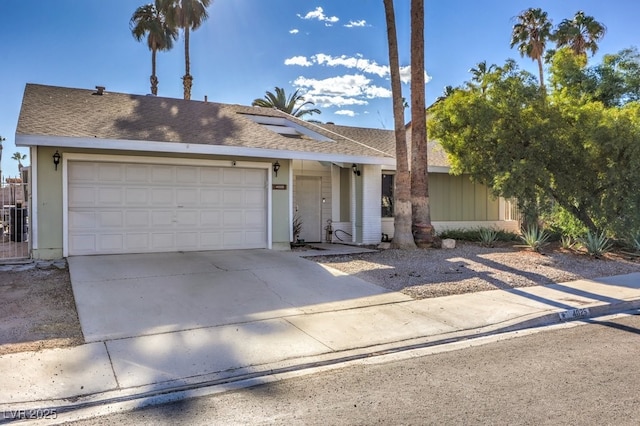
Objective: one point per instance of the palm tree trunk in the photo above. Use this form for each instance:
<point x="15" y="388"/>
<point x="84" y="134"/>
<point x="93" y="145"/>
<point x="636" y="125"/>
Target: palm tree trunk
<point x="187" y="80"/>
<point x="541" y="72"/>
<point x="154" y="79"/>
<point x="402" y="237"/>
<point x="421" y="216"/>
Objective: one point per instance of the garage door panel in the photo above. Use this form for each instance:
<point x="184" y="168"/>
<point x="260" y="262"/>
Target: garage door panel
<point x="135" y="219"/>
<point x="163" y="240"/>
<point x="133" y="208"/>
<point x="209" y="197"/>
<point x="83" y="220"/>
<point x="83" y="172"/>
<point x="110" y="196"/>
<point x="254" y="219"/>
<point x="161" y="218"/>
<point x="210" y="176"/>
<point x="83" y="243"/>
<point x="110" y="219"/>
<point x="187" y="218"/>
<point x="110" y="172"/>
<point x="137" y="173"/>
<point x="188" y="175"/>
<point x="110" y="242"/>
<point x="232" y="197"/>
<point x="187" y="196"/>
<point x="187" y="240"/>
<point x="136" y="196"/>
<point x="232" y="218"/>
<point x="163" y="174"/>
<point x="254" y="177"/>
<point x="211" y="218"/>
<point x="254" y="197"/>
<point x="232" y="176"/>
<point x="162" y="197"/>
<point x="82" y="196"/>
<point x="137" y="241"/>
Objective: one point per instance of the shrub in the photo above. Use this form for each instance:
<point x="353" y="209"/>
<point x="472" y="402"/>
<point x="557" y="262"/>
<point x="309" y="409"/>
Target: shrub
<point x="566" y="242"/>
<point x="596" y="244"/>
<point x="535" y="238"/>
<point x="474" y="235"/>
<point x="488" y="236"/>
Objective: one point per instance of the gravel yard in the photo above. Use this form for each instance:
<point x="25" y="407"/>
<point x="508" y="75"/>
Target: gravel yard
<point x="470" y="267"/>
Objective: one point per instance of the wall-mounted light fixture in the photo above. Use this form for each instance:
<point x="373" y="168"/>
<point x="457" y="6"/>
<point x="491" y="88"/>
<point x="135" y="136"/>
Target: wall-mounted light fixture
<point x="276" y="167"/>
<point x="355" y="170"/>
<point x="56" y="159"/>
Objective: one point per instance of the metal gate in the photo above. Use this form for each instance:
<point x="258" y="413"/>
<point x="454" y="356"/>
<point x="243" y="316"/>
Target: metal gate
<point x="14" y="218"/>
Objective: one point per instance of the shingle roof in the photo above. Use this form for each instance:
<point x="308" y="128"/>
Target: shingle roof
<point x="79" y="113"/>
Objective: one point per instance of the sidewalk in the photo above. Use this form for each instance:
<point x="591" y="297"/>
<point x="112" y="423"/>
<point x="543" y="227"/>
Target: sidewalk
<point x="142" y="368"/>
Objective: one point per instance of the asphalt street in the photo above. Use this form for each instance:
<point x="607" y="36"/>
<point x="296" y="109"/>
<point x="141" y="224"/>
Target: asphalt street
<point x="576" y="374"/>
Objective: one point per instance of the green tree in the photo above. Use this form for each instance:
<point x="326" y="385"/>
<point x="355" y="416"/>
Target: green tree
<point x="19" y="157"/>
<point x="581" y="34"/>
<point x="293" y="105"/>
<point x="422" y="228"/>
<point x="188" y="15"/>
<point x="402" y="236"/>
<point x="149" y="21"/>
<point x="479" y="75"/>
<point x="530" y="34"/>
<point x="567" y="147"/>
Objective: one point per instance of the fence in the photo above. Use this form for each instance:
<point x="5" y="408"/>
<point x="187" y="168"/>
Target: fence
<point x="14" y="219"/>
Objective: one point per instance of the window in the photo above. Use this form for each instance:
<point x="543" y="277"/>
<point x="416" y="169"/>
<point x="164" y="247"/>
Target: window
<point x="387" y="195"/>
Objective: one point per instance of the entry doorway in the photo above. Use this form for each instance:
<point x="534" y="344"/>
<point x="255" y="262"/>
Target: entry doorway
<point x="309" y="207"/>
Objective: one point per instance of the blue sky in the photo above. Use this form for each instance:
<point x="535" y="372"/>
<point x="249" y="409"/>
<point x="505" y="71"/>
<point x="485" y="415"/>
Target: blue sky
<point x="334" y="51"/>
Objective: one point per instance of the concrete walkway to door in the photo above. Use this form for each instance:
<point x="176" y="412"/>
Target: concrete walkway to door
<point x="120" y="296"/>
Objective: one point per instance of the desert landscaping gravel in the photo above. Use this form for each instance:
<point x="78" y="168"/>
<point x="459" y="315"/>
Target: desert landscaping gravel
<point x="470" y="267"/>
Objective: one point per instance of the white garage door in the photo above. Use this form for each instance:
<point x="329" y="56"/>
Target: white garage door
<point x="138" y="208"/>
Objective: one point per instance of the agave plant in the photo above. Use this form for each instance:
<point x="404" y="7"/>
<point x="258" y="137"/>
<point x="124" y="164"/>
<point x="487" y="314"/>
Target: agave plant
<point x="596" y="244"/>
<point x="566" y="241"/>
<point x="488" y="236"/>
<point x="535" y="238"/>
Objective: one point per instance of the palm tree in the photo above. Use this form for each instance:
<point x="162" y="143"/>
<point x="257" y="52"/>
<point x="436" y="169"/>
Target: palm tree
<point x="530" y="34"/>
<point x="149" y="20"/>
<point x="479" y="74"/>
<point x="402" y="237"/>
<point x="188" y="15"/>
<point x="581" y="33"/>
<point x="291" y="105"/>
<point x="421" y="215"/>
<point x="19" y="157"/>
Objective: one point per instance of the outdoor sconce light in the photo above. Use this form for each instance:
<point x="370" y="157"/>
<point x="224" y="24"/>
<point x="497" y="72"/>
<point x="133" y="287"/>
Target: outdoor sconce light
<point x="355" y="170"/>
<point x="56" y="159"/>
<point x="276" y="167"/>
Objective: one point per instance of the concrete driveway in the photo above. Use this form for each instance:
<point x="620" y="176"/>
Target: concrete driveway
<point x="121" y="296"/>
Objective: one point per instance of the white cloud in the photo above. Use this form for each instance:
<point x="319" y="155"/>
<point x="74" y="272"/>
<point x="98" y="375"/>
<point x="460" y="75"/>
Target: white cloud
<point x="360" y="23"/>
<point x="349" y="89"/>
<point x="298" y="60"/>
<point x="318" y="13"/>
<point x="346" y="112"/>
<point x="294" y="31"/>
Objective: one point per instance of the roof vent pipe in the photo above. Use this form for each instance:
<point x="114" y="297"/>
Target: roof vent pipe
<point x="206" y="99"/>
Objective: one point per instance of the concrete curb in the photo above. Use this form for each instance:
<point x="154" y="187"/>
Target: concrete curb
<point x="75" y="408"/>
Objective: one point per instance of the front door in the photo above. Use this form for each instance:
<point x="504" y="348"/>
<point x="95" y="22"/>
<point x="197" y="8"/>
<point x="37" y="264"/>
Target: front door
<point x="309" y="207"/>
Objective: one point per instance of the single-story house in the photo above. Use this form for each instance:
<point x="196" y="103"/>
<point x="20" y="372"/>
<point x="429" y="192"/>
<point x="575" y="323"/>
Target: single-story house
<point x="120" y="173"/>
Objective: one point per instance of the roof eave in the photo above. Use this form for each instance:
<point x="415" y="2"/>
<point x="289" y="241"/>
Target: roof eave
<point x="193" y="148"/>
